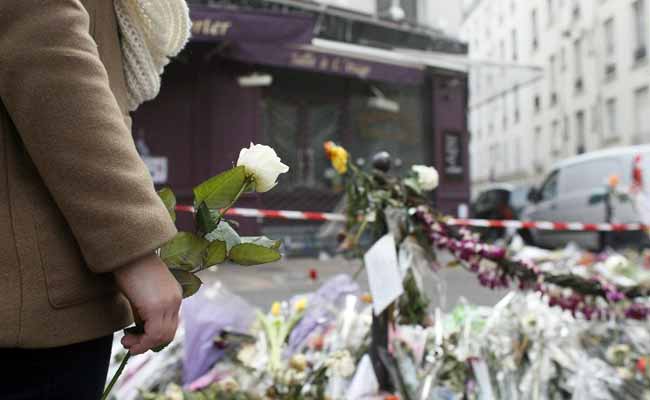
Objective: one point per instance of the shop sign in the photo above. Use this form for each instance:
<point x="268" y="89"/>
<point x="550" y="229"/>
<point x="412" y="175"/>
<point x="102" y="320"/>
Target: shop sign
<point x="158" y="168"/>
<point x="453" y="155"/>
<point x="330" y="64"/>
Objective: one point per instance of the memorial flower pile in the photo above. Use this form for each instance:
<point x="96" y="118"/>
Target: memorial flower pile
<point x="574" y="326"/>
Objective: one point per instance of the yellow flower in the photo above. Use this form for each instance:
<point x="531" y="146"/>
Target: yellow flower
<point x="300" y="305"/>
<point x="338" y="156"/>
<point x="276" y="308"/>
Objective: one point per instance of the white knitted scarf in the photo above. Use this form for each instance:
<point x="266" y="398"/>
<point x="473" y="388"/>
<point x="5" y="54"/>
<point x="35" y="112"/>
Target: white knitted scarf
<point x="152" y="32"/>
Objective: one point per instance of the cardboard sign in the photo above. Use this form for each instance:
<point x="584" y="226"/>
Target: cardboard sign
<point x="157" y="168"/>
<point x="383" y="273"/>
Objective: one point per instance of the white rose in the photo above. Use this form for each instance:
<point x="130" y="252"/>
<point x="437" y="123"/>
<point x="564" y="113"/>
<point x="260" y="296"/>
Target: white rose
<point x="427" y="177"/>
<point x="264" y="164"/>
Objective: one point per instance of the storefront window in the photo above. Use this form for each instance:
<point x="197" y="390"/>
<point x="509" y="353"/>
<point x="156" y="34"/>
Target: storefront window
<point x="400" y="133"/>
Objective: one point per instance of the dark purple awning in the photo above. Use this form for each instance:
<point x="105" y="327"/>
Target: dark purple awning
<point x="325" y="62"/>
<point x="283" y="40"/>
<point x="211" y="24"/>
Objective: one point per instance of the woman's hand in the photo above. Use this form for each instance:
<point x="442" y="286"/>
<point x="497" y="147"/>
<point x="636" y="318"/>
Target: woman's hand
<point x="155" y="296"/>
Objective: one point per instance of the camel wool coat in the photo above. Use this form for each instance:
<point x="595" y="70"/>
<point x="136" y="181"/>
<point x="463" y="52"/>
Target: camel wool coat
<point x="76" y="200"/>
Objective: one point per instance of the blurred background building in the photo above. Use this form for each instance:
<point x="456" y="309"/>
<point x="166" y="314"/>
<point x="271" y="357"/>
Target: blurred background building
<point x="371" y="75"/>
<point x="556" y="78"/>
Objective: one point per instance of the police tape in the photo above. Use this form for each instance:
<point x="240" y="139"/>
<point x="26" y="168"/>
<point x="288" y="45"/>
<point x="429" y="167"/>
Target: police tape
<point x="546" y="225"/>
<point x="477" y="223"/>
<point x="276" y="214"/>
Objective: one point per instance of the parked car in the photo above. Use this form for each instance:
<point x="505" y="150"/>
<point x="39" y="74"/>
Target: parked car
<point x="501" y="201"/>
<point x="567" y="192"/>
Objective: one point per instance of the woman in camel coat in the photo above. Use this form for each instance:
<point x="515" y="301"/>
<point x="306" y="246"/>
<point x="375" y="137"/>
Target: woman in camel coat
<point x="79" y="217"/>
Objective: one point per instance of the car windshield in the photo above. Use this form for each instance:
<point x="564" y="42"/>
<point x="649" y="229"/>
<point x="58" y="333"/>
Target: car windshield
<point x="519" y="198"/>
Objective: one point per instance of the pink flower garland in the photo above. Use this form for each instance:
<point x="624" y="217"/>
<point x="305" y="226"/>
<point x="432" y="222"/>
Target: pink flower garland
<point x="496" y="271"/>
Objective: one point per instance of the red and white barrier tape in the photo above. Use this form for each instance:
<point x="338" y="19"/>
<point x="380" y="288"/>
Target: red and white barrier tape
<point x="547" y="226"/>
<point x="276" y="214"/>
<point x="479" y="223"/>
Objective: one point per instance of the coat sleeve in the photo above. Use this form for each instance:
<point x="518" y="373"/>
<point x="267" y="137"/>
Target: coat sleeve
<point x="57" y="93"/>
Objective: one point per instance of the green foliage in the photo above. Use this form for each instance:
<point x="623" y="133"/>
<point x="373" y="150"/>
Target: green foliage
<point x="262" y="241"/>
<point x="216" y="253"/>
<point x="225" y="233"/>
<point x="206" y="220"/>
<point x="169" y="199"/>
<point x="184" y="252"/>
<point x="222" y="190"/>
<point x="413" y="304"/>
<point x="253" y="254"/>
<point x="188" y="281"/>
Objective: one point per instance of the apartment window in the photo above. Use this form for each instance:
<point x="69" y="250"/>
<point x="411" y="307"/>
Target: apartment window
<point x="563" y="58"/>
<point x="535" y="31"/>
<point x="537" y="138"/>
<point x="556" y="139"/>
<point x="565" y="135"/>
<point x="550" y="12"/>
<point x="639" y="30"/>
<point x="513" y="39"/>
<point x="552" y="80"/>
<point x="580" y="132"/>
<point x="610" y="50"/>
<point x="518" y="153"/>
<point x="642" y="115"/>
<point x="577" y="62"/>
<point x="515" y="93"/>
<point x="410" y="8"/>
<point x="612" y="121"/>
<point x="576" y="9"/>
<point x="537" y="103"/>
<point x="504" y="112"/>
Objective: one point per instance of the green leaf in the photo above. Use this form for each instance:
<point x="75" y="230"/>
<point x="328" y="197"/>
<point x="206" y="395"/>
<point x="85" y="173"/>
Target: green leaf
<point x="224" y="233"/>
<point x="221" y="190"/>
<point x="253" y="254"/>
<point x="168" y="197"/>
<point x="206" y="220"/>
<point x="215" y="254"/>
<point x="185" y="251"/>
<point x="413" y="184"/>
<point x="188" y="281"/>
<point x="262" y="241"/>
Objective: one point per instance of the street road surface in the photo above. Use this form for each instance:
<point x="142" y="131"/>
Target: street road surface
<point x="262" y="285"/>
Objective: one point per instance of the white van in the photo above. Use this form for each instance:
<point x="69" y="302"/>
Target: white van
<point x="566" y="192"/>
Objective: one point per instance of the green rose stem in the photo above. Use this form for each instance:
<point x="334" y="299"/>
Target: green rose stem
<point x="119" y="371"/>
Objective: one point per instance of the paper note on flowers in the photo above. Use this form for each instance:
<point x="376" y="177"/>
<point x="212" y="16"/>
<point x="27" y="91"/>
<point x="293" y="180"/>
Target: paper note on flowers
<point x="383" y="273"/>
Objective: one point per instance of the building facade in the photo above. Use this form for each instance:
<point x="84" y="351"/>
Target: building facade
<point x="294" y="75"/>
<point x="552" y="79"/>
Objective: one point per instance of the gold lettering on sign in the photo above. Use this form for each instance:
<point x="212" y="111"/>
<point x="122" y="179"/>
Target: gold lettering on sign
<point x="360" y="70"/>
<point x="324" y="63"/>
<point x="208" y="27"/>
<point x="306" y="60"/>
<point x="336" y="64"/>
